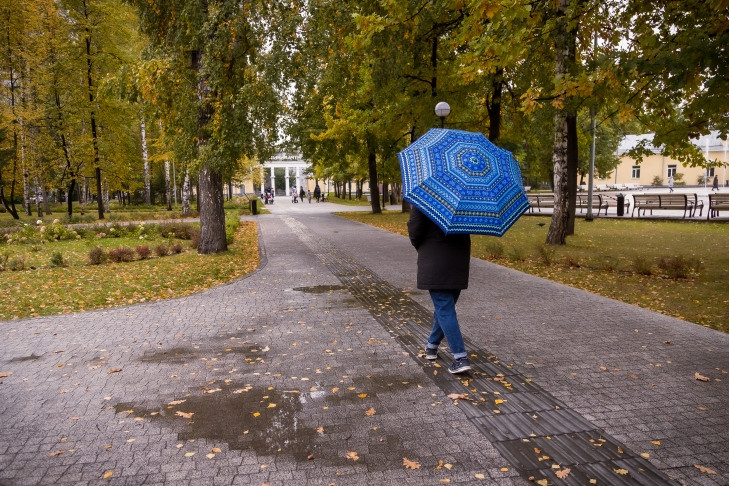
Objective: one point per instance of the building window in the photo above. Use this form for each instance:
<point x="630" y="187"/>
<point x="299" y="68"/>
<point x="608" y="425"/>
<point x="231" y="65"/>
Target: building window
<point x="710" y="172"/>
<point x="671" y="171"/>
<point x="635" y="173"/>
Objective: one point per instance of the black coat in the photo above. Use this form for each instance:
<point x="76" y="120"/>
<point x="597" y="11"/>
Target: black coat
<point x="443" y="260"/>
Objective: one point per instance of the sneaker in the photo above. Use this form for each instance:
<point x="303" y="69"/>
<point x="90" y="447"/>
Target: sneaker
<point x="459" y="366"/>
<point x="431" y="353"/>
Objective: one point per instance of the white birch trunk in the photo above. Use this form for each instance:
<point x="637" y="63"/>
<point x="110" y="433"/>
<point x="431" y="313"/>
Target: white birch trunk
<point x="145" y="159"/>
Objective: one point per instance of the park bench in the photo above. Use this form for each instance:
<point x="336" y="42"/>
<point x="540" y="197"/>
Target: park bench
<point x="540" y="201"/>
<point x="717" y="202"/>
<point x="697" y="204"/>
<point x="671" y="201"/>
<point x="597" y="202"/>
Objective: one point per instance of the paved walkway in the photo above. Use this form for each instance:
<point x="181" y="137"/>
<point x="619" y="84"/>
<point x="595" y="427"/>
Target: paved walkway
<point x="309" y="371"/>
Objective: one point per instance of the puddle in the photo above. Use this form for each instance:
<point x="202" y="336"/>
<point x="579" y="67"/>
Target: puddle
<point x="172" y="356"/>
<point x="318" y="289"/>
<point x="32" y="357"/>
<point x="239" y="415"/>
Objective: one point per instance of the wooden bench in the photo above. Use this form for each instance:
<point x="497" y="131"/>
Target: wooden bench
<point x="540" y="201"/>
<point x="698" y="204"/>
<point x="597" y="202"/>
<point x="662" y="201"/>
<point x="717" y="202"/>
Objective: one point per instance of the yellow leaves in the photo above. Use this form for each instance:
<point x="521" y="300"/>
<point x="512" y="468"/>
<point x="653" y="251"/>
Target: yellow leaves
<point x="107" y="474"/>
<point x="271" y="405"/>
<point x="410" y="464"/>
<point x="563" y="473"/>
<point x="656" y="442"/>
<point x="5" y="374"/>
<point x="704" y="470"/>
<point x="370" y="412"/>
<point x="621" y="471"/>
<point x="184" y="414"/>
<point x="115" y="370"/>
<point x="189" y="454"/>
<point x="700" y="377"/>
<point x="256" y="414"/>
<point x="442" y="465"/>
<point x="362" y="395"/>
<point x="479" y="476"/>
<point x="352" y="455"/>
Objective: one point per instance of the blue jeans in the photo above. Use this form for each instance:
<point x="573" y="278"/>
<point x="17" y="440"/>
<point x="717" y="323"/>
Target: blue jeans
<point x="445" y="322"/>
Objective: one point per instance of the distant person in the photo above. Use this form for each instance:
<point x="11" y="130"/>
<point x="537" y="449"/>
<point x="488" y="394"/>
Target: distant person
<point x="715" y="184"/>
<point x="317" y="193"/>
<point x="670" y="183"/>
<point x="294" y="195"/>
<point x="308" y="195"/>
<point x="443" y="266"/>
<point x="302" y="194"/>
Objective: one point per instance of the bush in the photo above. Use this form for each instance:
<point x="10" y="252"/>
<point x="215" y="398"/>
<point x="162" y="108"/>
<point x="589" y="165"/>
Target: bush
<point x="121" y="254"/>
<point x="4" y="261"/>
<point x="231" y="226"/>
<point x="16" y="264"/>
<point x="680" y="267"/>
<point x="57" y="260"/>
<point x="572" y="261"/>
<point x="143" y="251"/>
<point x="517" y="255"/>
<point x="195" y="240"/>
<point x="56" y="232"/>
<point x="657" y="181"/>
<point x="494" y="250"/>
<point x="143" y="231"/>
<point x="546" y="254"/>
<point x="97" y="256"/>
<point x="642" y="266"/>
<point x="162" y="250"/>
<point x="182" y="231"/>
<point x="176" y="248"/>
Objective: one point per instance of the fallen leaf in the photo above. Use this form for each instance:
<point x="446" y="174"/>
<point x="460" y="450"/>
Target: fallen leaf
<point x="210" y="456"/>
<point x="271" y="405"/>
<point x="504" y="469"/>
<point x="543" y="482"/>
<point x="184" y="414"/>
<point x="563" y="473"/>
<point x="320" y="430"/>
<point x="410" y="464"/>
<point x="480" y="476"/>
<point x="115" y="370"/>
<point x="352" y="455"/>
<point x="107" y="474"/>
<point x="704" y="469"/>
<point x="700" y="377"/>
<point x="5" y="374"/>
<point x="177" y="402"/>
<point x="362" y="395"/>
<point x="444" y="481"/>
<point x="216" y="449"/>
<point x="622" y="472"/>
<point x="256" y="414"/>
<point x="57" y="453"/>
<point x="656" y="442"/>
<point x="645" y="455"/>
<point x="189" y="454"/>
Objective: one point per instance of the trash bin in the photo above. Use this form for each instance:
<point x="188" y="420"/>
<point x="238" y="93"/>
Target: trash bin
<point x="254" y="206"/>
<point x="621" y="204"/>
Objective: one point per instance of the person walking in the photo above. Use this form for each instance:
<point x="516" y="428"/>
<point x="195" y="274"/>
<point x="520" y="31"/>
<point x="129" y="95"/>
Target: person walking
<point x="443" y="268"/>
<point x="302" y="194"/>
<point x="308" y="195"/>
<point x="317" y="192"/>
<point x="670" y="183"/>
<point x="715" y="184"/>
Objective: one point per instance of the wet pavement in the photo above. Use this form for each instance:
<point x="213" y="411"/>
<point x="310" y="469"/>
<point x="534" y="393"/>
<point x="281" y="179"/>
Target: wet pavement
<point x="310" y="371"/>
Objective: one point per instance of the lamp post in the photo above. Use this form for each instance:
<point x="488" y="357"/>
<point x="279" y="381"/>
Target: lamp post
<point x="442" y="110"/>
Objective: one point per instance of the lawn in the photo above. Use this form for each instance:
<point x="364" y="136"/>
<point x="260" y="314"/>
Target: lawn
<point x="45" y="287"/>
<point x="673" y="267"/>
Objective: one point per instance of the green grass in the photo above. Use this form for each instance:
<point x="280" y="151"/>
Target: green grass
<point x="44" y="288"/>
<point x="348" y="202"/>
<point x="634" y="261"/>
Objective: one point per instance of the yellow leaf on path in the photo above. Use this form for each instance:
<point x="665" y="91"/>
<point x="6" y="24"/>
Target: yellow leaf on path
<point x="622" y="472"/>
<point x="704" y="469"/>
<point x="656" y="442"/>
<point x="645" y="455"/>
<point x="543" y="482"/>
<point x="504" y="469"/>
<point x="439" y="466"/>
<point x="5" y="374"/>
<point x="370" y="412"/>
<point x="177" y="402"/>
<point x="480" y="476"/>
<point x="700" y="377"/>
<point x="107" y="474"/>
<point x="271" y="405"/>
<point x="216" y="449"/>
<point x="184" y="414"/>
<point x="362" y="395"/>
<point x="593" y="481"/>
<point x="189" y="454"/>
<point x="410" y="464"/>
<point x="448" y="466"/>
<point x="444" y="481"/>
<point x="57" y="453"/>
<point x="320" y="429"/>
<point x="115" y="370"/>
<point x="210" y="456"/>
<point x="256" y="414"/>
<point x="335" y="389"/>
<point x="352" y="455"/>
<point x="563" y="473"/>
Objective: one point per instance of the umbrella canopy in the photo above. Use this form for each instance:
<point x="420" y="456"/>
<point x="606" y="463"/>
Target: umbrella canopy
<point x="463" y="182"/>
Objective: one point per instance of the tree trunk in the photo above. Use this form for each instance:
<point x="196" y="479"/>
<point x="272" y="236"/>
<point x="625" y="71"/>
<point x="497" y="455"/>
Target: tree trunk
<point x="145" y="160"/>
<point x="212" y="216"/>
<point x="372" y="164"/>
<point x="571" y="172"/>
<point x="92" y="112"/>
<point x="186" y="194"/>
<point x="494" y="107"/>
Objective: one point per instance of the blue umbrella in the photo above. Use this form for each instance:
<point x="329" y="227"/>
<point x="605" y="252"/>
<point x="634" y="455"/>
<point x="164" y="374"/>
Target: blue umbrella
<point x="463" y="182"/>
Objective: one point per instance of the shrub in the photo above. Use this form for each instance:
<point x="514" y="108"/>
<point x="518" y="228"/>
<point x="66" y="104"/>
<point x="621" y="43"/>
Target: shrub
<point x="56" y="232"/>
<point x="121" y="254"/>
<point x="679" y="267"/>
<point x="176" y="248"/>
<point x="143" y="251"/>
<point x="4" y="261"/>
<point x="162" y="250"/>
<point x="517" y="255"/>
<point x="143" y="231"/>
<point x="657" y="181"/>
<point x="16" y="264"/>
<point x="572" y="261"/>
<point x="182" y="231"/>
<point x="642" y="266"/>
<point x="57" y="260"/>
<point x="494" y="250"/>
<point x="97" y="256"/>
<point x="546" y="254"/>
<point x="195" y="240"/>
<point x="231" y="226"/>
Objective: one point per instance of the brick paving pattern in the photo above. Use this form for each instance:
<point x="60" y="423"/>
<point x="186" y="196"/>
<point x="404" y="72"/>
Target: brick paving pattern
<point x="308" y="372"/>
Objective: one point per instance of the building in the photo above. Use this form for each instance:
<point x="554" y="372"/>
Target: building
<point x="629" y="173"/>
